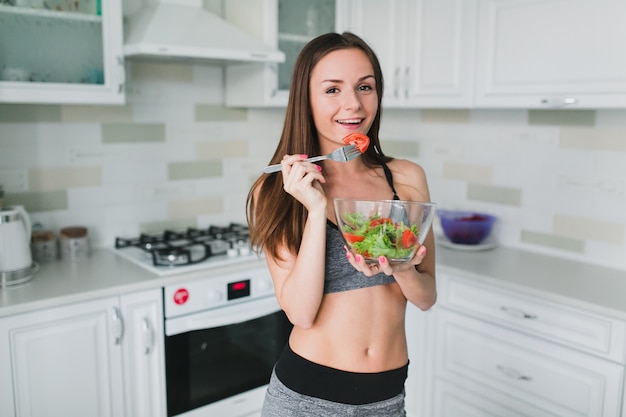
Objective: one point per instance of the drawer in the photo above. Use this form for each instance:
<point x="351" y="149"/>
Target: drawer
<point x="487" y="358"/>
<point x="455" y="399"/>
<point x="589" y="332"/>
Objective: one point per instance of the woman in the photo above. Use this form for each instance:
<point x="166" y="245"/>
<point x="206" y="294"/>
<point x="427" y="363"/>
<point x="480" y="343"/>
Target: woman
<point x="347" y="352"/>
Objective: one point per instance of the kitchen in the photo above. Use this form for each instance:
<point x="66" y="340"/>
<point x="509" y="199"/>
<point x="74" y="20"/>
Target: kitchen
<point x="177" y="155"/>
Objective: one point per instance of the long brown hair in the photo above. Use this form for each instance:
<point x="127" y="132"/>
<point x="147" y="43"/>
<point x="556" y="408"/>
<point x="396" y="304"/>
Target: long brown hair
<point x="276" y="218"/>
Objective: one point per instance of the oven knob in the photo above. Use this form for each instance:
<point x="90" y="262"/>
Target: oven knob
<point x="214" y="297"/>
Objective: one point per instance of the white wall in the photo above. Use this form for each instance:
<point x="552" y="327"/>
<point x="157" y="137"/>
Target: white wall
<point x="557" y="181"/>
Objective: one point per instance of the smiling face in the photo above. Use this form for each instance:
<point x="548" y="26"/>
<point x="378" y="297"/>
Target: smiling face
<point x="343" y="96"/>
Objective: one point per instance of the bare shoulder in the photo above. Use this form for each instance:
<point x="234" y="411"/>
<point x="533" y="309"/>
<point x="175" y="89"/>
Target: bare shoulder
<point x="410" y="179"/>
<point x="404" y="166"/>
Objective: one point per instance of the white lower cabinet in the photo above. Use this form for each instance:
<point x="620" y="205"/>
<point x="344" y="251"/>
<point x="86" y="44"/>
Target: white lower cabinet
<point x="459" y="400"/>
<point x="63" y="361"/>
<point x="144" y="356"/>
<point x="83" y="360"/>
<point x="417" y="333"/>
<point x="489" y="362"/>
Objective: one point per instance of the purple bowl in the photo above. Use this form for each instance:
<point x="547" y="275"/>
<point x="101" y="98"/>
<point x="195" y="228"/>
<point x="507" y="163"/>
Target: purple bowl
<point x="465" y="227"/>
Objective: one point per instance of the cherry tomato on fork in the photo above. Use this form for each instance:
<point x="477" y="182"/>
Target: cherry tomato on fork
<point x="361" y="141"/>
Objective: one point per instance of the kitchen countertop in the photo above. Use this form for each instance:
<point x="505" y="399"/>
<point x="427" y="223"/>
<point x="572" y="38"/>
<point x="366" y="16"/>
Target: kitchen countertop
<point x="103" y="274"/>
<point x="594" y="288"/>
<point x="577" y="284"/>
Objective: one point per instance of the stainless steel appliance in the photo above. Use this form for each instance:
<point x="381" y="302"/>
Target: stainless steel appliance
<point x="223" y="332"/>
<point x="222" y="338"/>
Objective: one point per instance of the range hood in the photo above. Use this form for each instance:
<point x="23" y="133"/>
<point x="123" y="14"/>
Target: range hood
<point x="183" y="30"/>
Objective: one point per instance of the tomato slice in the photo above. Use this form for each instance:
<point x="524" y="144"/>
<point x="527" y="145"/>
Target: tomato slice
<point x="351" y="238"/>
<point x="381" y="220"/>
<point x="409" y="238"/>
<point x="361" y="141"/>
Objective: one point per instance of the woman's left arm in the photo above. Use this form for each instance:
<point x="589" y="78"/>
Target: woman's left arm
<point x="417" y="277"/>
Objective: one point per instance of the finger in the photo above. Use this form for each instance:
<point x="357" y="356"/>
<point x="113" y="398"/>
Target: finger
<point x="384" y="265"/>
<point x="301" y="177"/>
<point x="288" y="161"/>
<point x="367" y="269"/>
<point x="420" y="254"/>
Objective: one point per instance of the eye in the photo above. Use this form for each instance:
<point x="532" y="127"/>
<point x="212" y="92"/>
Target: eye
<point x="365" y="87"/>
<point x="332" y="90"/>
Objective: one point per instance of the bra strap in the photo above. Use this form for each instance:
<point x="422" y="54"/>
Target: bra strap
<point x="389" y="177"/>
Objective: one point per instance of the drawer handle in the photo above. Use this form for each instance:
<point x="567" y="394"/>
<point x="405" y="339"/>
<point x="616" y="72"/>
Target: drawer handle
<point x="513" y="373"/>
<point x="517" y="313"/>
<point x="559" y="102"/>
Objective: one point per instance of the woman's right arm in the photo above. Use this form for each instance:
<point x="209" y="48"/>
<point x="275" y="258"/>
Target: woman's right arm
<point x="299" y="278"/>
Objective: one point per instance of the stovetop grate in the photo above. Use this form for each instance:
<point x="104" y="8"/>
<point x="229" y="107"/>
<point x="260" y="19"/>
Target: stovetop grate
<point x="191" y="246"/>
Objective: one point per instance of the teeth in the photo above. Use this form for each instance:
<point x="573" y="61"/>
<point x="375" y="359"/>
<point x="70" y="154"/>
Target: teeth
<point x="350" y="121"/>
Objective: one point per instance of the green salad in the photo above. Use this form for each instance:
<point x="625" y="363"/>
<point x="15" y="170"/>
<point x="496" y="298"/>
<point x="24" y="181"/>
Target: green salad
<point x="376" y="236"/>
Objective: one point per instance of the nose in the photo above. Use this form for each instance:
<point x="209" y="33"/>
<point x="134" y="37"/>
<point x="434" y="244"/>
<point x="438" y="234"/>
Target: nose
<point x="351" y="100"/>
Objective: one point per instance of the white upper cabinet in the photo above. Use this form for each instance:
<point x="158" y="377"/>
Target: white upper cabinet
<point x="551" y="54"/>
<point x="285" y="24"/>
<point x="425" y="48"/>
<point x="452" y="53"/>
<point x="62" y="52"/>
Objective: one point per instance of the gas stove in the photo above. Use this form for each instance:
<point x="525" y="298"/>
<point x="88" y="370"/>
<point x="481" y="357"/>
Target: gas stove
<point x="174" y="252"/>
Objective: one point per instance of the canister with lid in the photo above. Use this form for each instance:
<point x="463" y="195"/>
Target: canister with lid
<point x="44" y="246"/>
<point x="74" y="243"/>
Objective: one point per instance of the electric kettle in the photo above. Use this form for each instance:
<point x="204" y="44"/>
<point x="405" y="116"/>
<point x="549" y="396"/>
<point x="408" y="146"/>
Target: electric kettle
<point x="16" y="264"/>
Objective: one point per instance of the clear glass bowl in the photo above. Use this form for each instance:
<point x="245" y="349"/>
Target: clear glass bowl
<point x="466" y="227"/>
<point x="391" y="228"/>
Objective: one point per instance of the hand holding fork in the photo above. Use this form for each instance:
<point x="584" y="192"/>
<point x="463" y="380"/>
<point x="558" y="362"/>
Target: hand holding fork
<point x="343" y="154"/>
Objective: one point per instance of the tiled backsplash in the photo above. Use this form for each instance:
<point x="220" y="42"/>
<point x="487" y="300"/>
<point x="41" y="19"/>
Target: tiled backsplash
<point x="174" y="156"/>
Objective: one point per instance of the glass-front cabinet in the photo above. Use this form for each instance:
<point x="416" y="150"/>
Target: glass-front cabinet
<point x="298" y="23"/>
<point x="285" y="24"/>
<point x="61" y="51"/>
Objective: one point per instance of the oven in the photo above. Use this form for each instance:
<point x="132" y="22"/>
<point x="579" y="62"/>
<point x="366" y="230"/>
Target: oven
<point x="222" y="337"/>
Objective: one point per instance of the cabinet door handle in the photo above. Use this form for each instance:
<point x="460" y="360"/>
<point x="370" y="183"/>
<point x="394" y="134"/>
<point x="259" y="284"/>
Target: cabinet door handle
<point x="517" y="313"/>
<point x="513" y="373"/>
<point x="274" y="69"/>
<point x="118" y="325"/>
<point x="407" y="82"/>
<point x="122" y="74"/>
<point x="396" y="83"/>
<point x="559" y="101"/>
<point x="147" y="332"/>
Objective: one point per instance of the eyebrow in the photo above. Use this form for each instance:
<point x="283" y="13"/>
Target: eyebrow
<point x="340" y="81"/>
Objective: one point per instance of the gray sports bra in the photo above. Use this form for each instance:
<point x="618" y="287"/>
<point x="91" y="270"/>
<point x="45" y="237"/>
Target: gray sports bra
<point x="340" y="275"/>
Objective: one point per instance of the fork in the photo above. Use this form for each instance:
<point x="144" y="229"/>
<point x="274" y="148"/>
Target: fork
<point x="343" y="154"/>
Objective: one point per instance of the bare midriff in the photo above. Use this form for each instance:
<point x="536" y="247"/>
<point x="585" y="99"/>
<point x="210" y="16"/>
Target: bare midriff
<point x="358" y="331"/>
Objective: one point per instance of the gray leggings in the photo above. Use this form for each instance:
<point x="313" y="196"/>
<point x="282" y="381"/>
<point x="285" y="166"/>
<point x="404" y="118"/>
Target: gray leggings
<point x="281" y="401"/>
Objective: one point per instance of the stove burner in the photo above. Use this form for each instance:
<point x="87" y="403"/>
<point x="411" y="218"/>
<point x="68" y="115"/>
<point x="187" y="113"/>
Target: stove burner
<point x="178" y="248"/>
<point x="179" y="256"/>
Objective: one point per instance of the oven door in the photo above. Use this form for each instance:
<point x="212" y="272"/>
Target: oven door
<point x="218" y="362"/>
